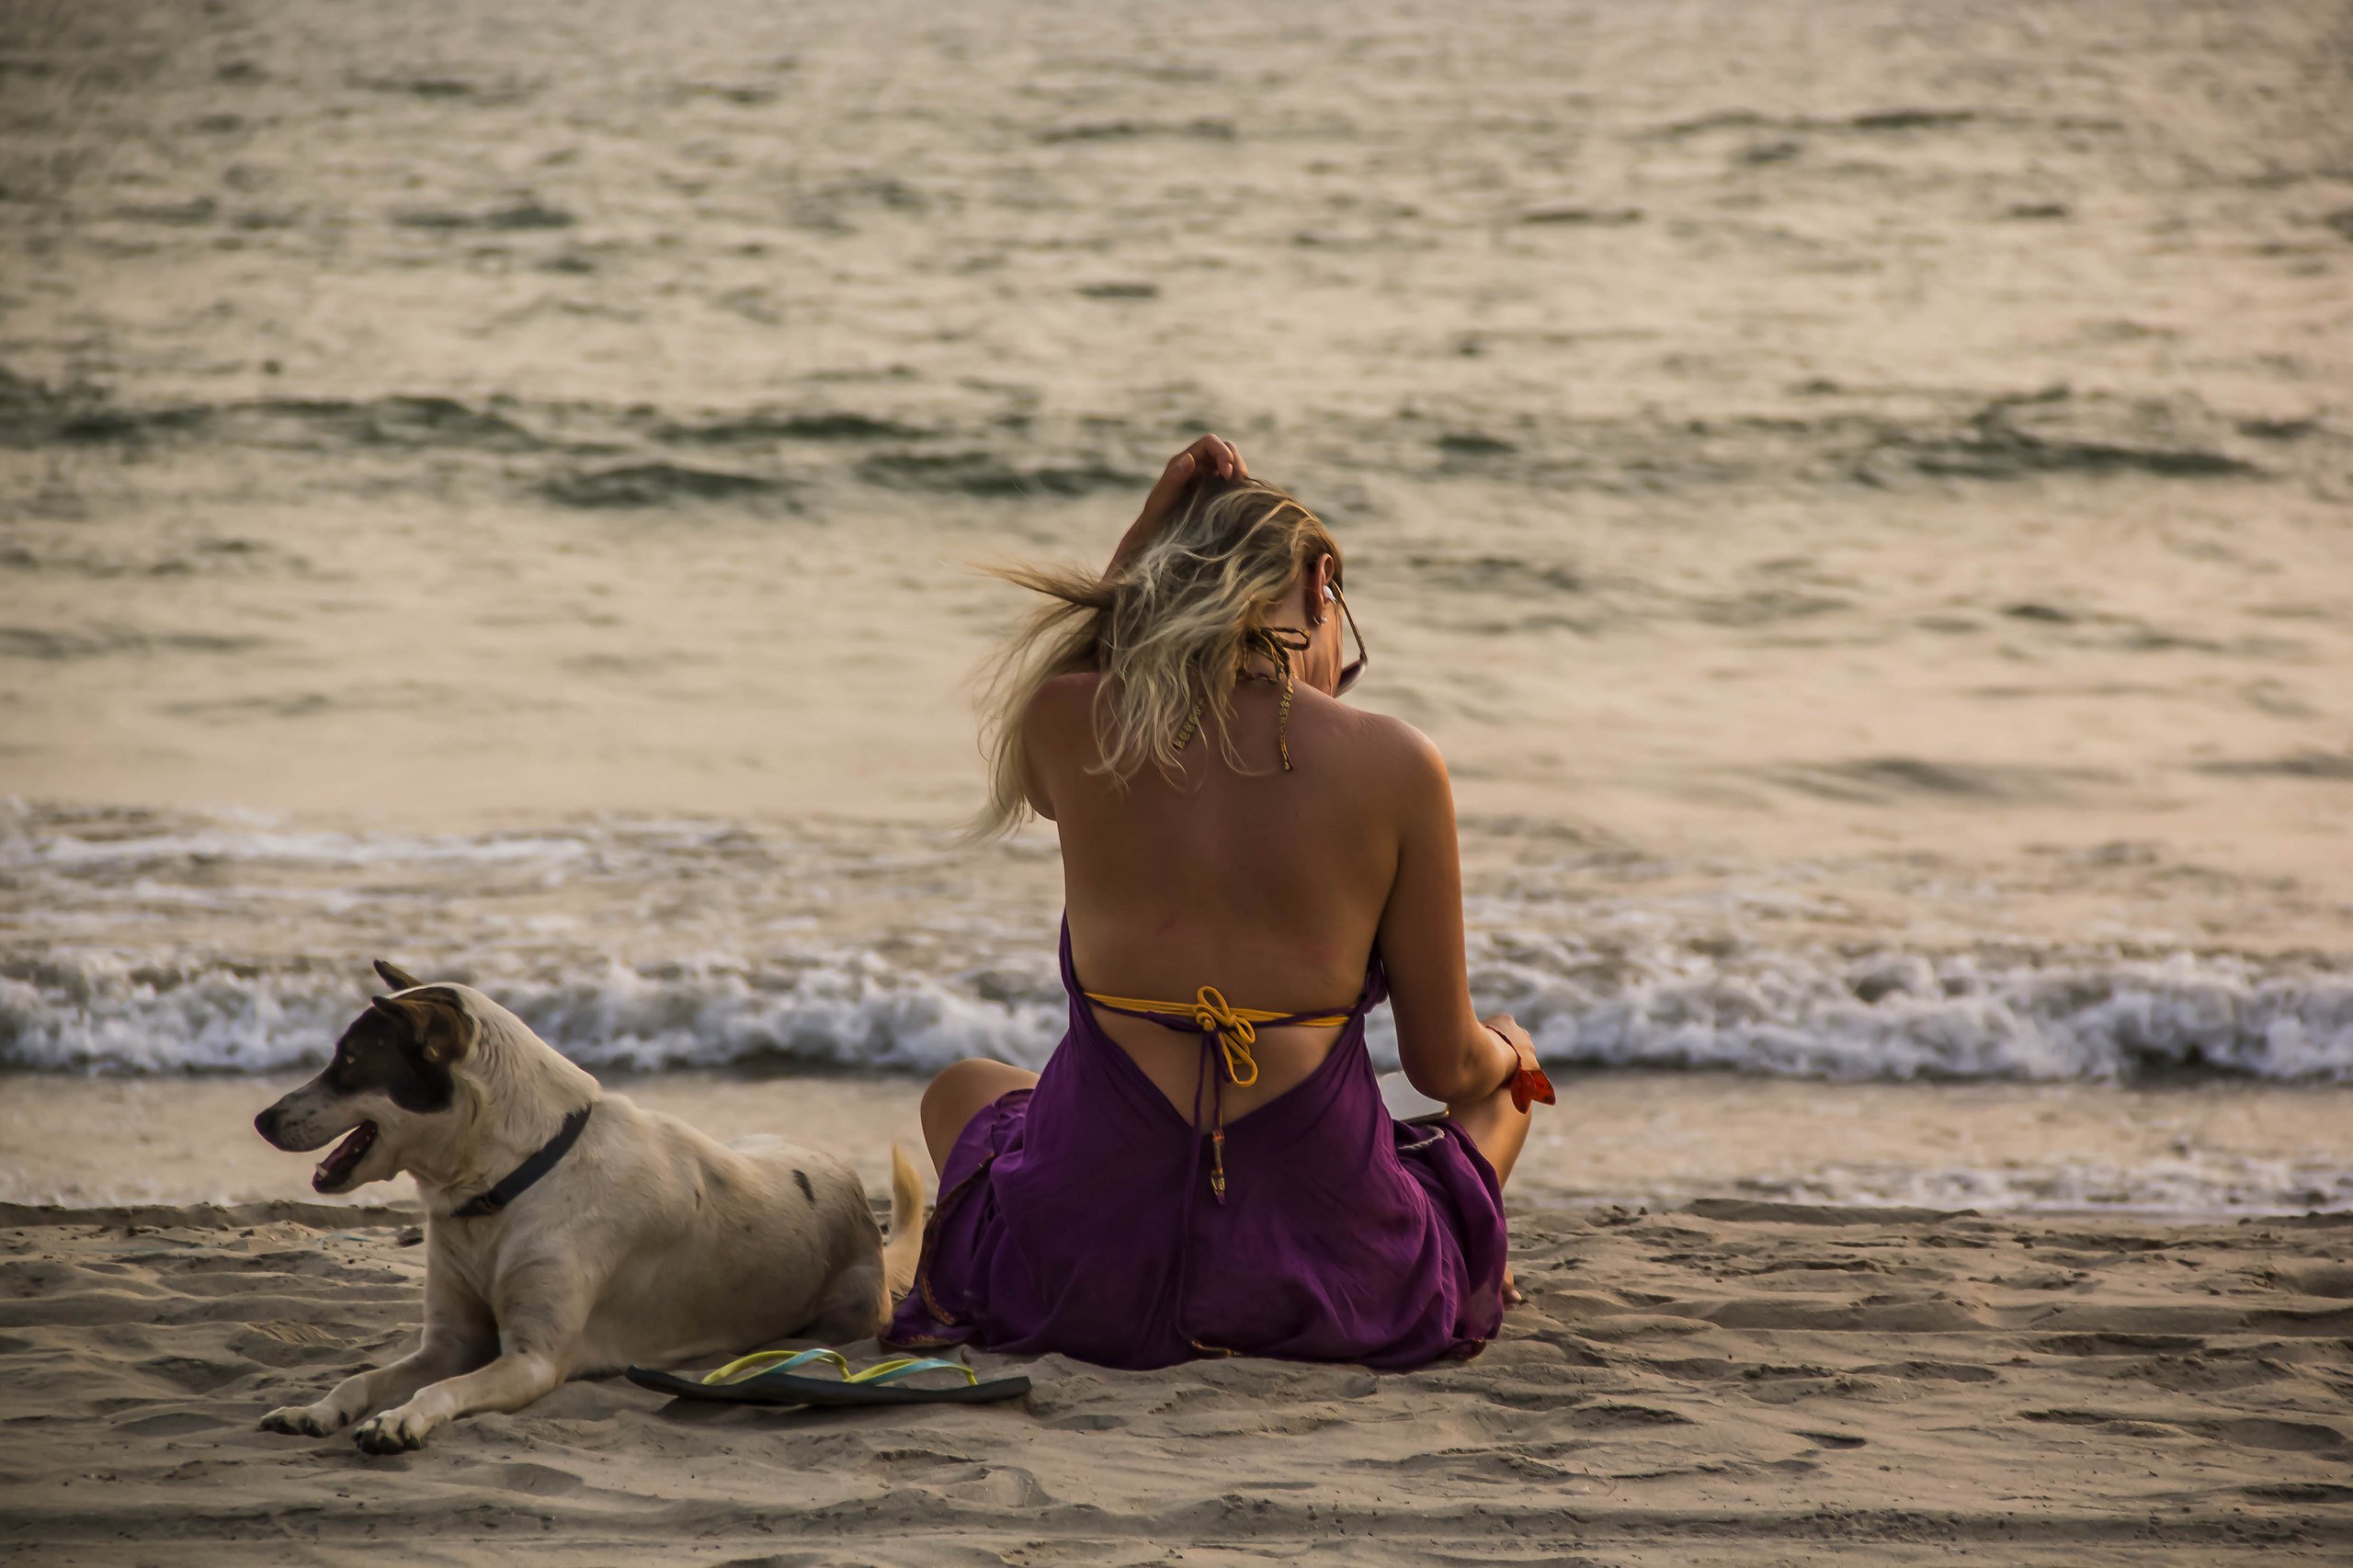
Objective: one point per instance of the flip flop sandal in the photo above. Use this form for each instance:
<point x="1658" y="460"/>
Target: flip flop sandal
<point x="767" y="1378"/>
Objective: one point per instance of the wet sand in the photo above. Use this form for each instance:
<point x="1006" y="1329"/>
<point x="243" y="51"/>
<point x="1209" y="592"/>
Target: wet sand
<point x="1661" y="1139"/>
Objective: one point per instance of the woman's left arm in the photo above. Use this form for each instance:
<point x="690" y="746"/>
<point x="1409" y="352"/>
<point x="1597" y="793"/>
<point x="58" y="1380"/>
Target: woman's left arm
<point x="1449" y="1052"/>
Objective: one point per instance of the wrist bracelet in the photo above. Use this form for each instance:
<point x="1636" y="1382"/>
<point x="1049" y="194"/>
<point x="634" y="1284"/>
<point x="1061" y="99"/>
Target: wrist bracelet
<point x="1529" y="1086"/>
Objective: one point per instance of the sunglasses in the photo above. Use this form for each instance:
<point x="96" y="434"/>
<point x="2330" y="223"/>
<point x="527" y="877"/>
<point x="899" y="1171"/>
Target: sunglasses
<point x="1354" y="667"/>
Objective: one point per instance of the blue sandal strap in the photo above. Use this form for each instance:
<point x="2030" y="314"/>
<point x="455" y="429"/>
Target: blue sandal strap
<point x="761" y="1361"/>
<point x="907" y="1366"/>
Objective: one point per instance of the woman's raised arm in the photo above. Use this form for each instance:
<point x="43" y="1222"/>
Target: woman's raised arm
<point x="1211" y="454"/>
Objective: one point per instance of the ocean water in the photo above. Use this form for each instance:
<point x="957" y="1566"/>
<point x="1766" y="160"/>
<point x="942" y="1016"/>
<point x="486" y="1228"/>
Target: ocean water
<point x="1859" y="491"/>
<point x="170" y="944"/>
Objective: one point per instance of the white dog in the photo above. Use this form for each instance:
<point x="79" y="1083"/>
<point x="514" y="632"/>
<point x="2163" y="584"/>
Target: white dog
<point x="569" y="1234"/>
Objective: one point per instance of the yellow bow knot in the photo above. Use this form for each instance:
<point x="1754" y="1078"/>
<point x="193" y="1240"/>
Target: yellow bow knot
<point x="1236" y="1034"/>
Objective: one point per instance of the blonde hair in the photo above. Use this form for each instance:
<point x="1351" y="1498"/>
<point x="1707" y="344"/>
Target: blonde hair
<point x="1168" y="629"/>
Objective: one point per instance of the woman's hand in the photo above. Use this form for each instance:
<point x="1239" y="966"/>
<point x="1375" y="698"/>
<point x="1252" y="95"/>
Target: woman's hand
<point x="1525" y="1075"/>
<point x="1523" y="1049"/>
<point x="1211" y="455"/>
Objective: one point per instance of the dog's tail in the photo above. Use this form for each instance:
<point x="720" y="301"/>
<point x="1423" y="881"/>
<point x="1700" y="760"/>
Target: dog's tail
<point x="904" y="1249"/>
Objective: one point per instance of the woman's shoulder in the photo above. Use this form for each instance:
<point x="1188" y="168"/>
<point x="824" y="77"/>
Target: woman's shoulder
<point x="1398" y="752"/>
<point x="1063" y="697"/>
<point x="1376" y="748"/>
<point x="1070" y="685"/>
<point x="1059" y="723"/>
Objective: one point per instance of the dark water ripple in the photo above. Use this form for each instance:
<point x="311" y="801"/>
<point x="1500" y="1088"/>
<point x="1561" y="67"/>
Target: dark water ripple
<point x="1842" y="439"/>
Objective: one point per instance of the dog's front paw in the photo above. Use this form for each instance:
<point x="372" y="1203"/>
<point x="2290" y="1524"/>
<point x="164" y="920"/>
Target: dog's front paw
<point x="304" y="1420"/>
<point x="393" y="1432"/>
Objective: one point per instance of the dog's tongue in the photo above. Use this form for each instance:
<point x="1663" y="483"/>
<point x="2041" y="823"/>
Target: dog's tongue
<point x="344" y="1158"/>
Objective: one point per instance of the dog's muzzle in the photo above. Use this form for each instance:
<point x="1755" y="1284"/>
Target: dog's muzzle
<point x="334" y="1172"/>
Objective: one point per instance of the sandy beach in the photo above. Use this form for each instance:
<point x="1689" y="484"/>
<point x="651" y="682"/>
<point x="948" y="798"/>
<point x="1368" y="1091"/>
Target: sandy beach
<point x="1734" y="1383"/>
<point x="1857" y="497"/>
<point x="1727" y="1379"/>
<point x="2190" y="1151"/>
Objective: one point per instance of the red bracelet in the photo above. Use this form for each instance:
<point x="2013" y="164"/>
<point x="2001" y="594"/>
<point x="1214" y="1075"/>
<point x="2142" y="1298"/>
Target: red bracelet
<point x="1528" y="1084"/>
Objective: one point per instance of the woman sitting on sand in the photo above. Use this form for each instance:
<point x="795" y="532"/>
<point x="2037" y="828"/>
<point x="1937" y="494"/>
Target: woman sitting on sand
<point x="1198" y="1177"/>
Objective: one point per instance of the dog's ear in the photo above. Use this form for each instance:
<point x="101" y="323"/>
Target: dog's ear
<point x="435" y="1017"/>
<point x="395" y="976"/>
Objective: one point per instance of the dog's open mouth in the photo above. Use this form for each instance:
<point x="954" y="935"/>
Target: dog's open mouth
<point x="344" y="1158"/>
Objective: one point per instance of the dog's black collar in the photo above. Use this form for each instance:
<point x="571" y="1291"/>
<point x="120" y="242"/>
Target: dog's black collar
<point x="518" y="1180"/>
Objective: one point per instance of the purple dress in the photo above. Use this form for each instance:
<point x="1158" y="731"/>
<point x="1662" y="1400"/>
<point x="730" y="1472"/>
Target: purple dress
<point x="1079" y="1217"/>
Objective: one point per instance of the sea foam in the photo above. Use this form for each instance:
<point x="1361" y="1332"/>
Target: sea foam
<point x="1792" y="1014"/>
<point x="144" y="943"/>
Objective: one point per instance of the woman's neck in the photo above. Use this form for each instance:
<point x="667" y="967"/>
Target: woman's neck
<point x="1260" y="662"/>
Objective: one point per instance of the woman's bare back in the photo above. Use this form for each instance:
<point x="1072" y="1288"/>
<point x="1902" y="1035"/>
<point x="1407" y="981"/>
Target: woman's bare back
<point x="1269" y="886"/>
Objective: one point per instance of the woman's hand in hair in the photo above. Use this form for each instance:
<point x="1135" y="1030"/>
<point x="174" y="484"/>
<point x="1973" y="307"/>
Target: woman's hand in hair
<point x="1209" y="455"/>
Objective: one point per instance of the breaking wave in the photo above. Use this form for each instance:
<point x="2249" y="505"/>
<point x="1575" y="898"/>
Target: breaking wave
<point x="148" y="942"/>
<point x="109" y="1014"/>
<point x="1803" y="1015"/>
<point x="1896" y="1015"/>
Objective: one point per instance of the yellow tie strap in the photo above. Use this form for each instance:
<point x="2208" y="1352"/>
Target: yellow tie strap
<point x="1236" y="1030"/>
